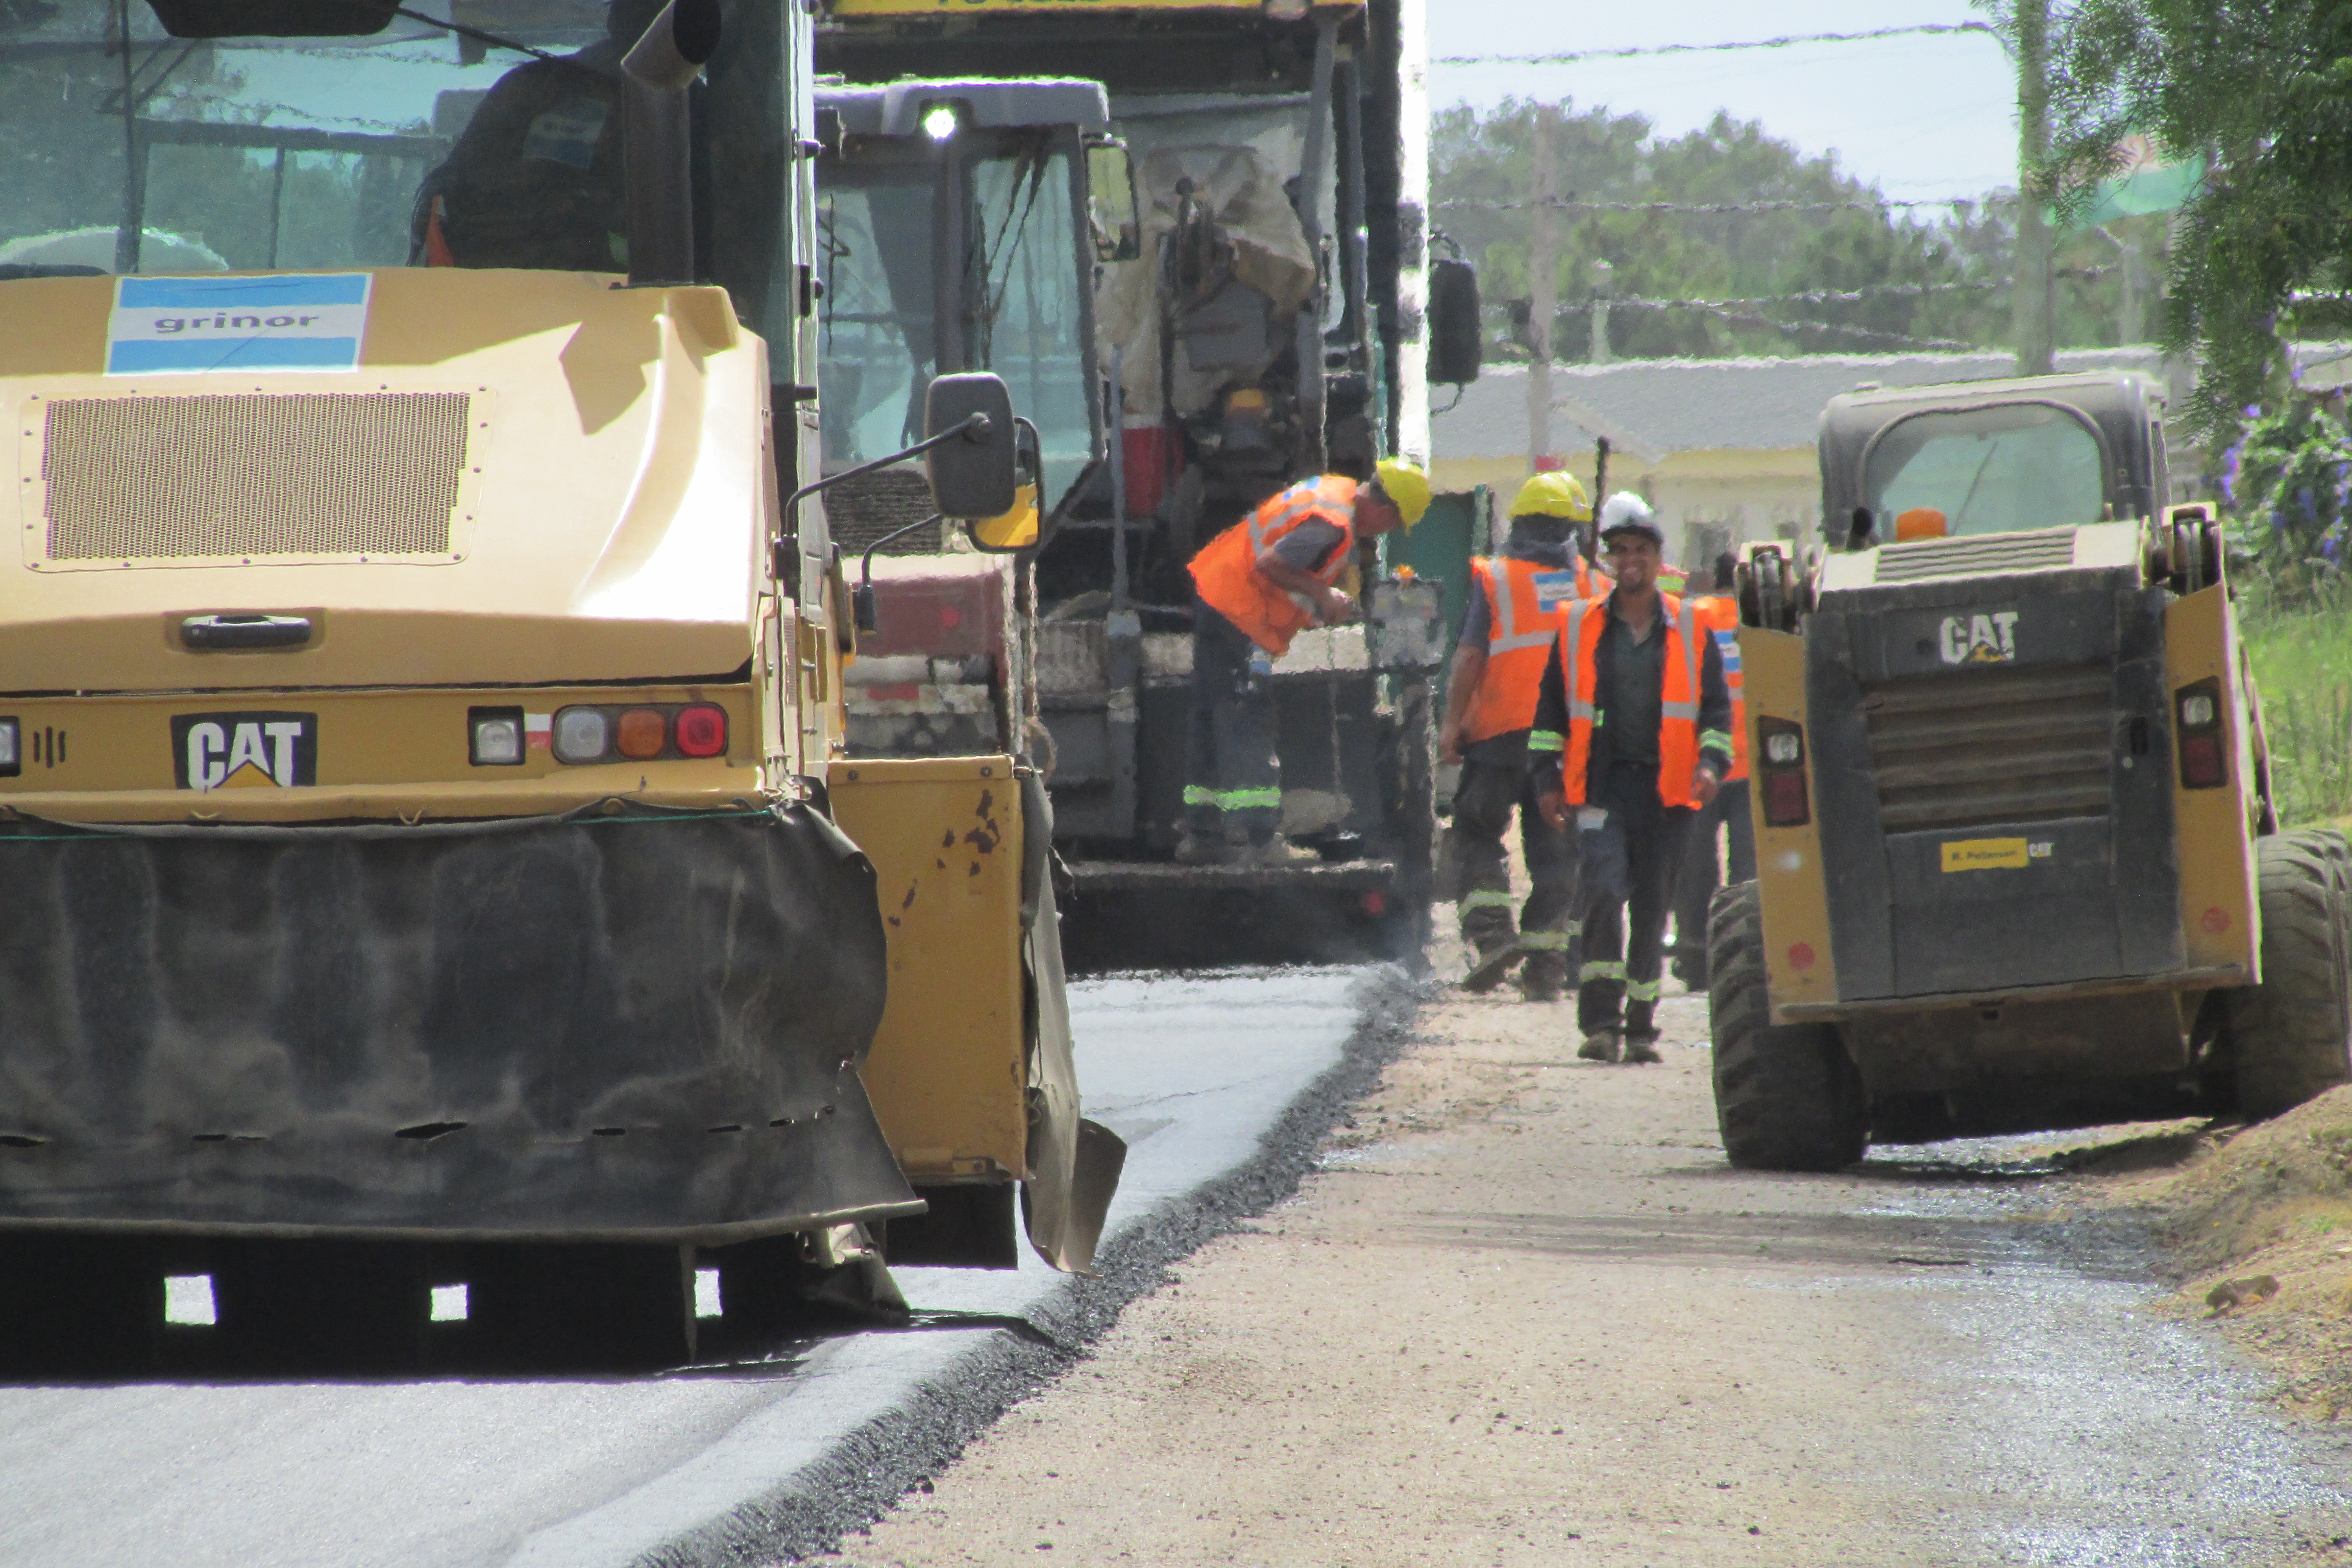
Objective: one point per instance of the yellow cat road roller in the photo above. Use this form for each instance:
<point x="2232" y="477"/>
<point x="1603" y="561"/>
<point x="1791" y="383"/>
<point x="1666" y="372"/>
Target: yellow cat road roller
<point x="442" y="926"/>
<point x="2017" y="865"/>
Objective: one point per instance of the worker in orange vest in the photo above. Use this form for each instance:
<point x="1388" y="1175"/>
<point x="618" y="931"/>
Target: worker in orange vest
<point x="1635" y="703"/>
<point x="1726" y="816"/>
<point x="1257" y="585"/>
<point x="1507" y="631"/>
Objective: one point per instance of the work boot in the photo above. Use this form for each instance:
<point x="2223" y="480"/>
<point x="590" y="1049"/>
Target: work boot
<point x="1600" y="1045"/>
<point x="1542" y="977"/>
<point x="1280" y="852"/>
<point x="1496" y="956"/>
<point x="1641" y="1048"/>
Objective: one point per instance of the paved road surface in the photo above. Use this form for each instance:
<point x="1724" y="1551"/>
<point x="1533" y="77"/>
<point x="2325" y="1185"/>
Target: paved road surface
<point x="574" y="1473"/>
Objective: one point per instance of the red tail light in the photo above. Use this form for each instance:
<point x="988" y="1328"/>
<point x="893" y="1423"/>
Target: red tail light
<point x="1779" y="764"/>
<point x="701" y="731"/>
<point x="2200" y="737"/>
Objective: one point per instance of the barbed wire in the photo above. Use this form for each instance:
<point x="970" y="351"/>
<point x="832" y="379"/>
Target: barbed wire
<point x="1868" y="291"/>
<point x="1566" y="204"/>
<point x="1568" y="56"/>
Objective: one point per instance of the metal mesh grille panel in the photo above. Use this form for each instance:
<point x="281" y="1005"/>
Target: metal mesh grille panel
<point x="861" y="511"/>
<point x="1986" y="746"/>
<point x="1968" y="557"/>
<point x="160" y="479"/>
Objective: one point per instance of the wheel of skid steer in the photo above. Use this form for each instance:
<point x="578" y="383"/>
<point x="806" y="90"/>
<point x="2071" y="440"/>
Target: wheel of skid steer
<point x="2291" y="1036"/>
<point x="1787" y="1096"/>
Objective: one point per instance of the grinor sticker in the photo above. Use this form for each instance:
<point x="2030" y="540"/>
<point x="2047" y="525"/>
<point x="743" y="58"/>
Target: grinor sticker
<point x="1984" y="854"/>
<point x="245" y="750"/>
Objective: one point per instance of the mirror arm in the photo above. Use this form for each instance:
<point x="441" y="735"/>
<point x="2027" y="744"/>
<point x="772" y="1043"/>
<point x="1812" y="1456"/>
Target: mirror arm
<point x="863" y="610"/>
<point x="972" y="430"/>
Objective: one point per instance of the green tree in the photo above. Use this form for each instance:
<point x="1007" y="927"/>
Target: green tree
<point x="1958" y="261"/>
<point x="2263" y="89"/>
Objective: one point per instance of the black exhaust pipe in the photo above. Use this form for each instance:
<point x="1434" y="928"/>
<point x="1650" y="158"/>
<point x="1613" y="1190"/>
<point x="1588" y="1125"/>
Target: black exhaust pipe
<point x="657" y="131"/>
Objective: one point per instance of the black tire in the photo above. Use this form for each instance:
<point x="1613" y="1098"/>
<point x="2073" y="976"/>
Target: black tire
<point x="1787" y="1096"/>
<point x="2291" y="1036"/>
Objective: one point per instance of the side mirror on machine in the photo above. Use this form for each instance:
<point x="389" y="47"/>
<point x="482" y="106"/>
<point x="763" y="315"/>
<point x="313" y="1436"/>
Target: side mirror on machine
<point x="1457" y="341"/>
<point x="1111" y="212"/>
<point x="974" y="474"/>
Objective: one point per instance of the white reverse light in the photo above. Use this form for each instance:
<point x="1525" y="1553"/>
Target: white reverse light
<point x="497" y="742"/>
<point x="940" y="122"/>
<point x="1781" y="748"/>
<point x="2197" y="711"/>
<point x="8" y="759"/>
<point x="582" y="735"/>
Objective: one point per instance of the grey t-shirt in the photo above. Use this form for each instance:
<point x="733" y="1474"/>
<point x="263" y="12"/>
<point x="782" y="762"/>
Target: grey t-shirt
<point x="1309" y="545"/>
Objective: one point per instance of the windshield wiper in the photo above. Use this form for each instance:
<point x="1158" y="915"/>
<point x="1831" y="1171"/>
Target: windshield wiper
<point x="475" y="33"/>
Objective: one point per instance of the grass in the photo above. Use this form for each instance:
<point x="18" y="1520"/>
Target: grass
<point x="2303" y="667"/>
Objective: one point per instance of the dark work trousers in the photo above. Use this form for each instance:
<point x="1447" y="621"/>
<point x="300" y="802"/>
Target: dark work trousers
<point x="1704" y="871"/>
<point x="1623" y="944"/>
<point x="1233" y="780"/>
<point x="1477" y="868"/>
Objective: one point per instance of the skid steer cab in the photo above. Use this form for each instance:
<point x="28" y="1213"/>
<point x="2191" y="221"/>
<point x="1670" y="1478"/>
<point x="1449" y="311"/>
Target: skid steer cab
<point x="2017" y="864"/>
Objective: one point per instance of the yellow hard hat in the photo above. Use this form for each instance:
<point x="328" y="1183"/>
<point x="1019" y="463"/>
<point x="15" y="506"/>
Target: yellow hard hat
<point x="1553" y="494"/>
<point x="1403" y="482"/>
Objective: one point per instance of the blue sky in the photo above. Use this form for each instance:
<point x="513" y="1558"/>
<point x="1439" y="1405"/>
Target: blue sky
<point x="1922" y="116"/>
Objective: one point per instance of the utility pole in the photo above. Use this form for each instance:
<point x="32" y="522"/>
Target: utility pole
<point x="1601" y="274"/>
<point x="1543" y="292"/>
<point x="2030" y="293"/>
<point x="2131" y="321"/>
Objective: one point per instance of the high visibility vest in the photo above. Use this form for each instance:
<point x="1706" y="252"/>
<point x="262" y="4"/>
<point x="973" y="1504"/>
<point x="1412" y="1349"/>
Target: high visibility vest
<point x="1524" y="601"/>
<point x="1719" y="614"/>
<point x="1580" y="645"/>
<point x="1225" y="571"/>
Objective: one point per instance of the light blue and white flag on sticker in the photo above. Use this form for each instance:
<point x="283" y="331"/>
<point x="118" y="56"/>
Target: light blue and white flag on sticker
<point x="183" y="326"/>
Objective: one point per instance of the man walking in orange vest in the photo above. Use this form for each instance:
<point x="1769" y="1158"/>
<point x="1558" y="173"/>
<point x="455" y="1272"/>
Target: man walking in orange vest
<point x="1702" y="872"/>
<point x="1507" y="631"/>
<point x="1257" y="585"/>
<point x="1634" y="701"/>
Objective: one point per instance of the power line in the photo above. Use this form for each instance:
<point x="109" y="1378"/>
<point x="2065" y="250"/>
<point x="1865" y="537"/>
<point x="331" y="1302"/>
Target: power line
<point x="1570" y="56"/>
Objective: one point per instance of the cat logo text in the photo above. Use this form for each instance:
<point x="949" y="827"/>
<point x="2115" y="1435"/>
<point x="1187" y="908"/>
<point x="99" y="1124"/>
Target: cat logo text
<point x="245" y="750"/>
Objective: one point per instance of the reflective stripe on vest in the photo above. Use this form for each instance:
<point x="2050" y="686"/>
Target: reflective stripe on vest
<point x="1225" y="571"/>
<point x="1580" y="645"/>
<point x="1521" y="628"/>
<point x="1721" y="616"/>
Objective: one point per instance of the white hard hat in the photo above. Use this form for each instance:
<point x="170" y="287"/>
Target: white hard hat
<point x="1626" y="510"/>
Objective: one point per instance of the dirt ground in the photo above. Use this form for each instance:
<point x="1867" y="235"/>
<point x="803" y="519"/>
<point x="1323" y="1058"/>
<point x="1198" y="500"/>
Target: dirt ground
<point x="1526" y="1315"/>
<point x="2253" y="1208"/>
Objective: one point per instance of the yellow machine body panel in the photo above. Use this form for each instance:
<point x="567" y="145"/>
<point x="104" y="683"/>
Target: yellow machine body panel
<point x="950" y="1070"/>
<point x="531" y="477"/>
<point x="295" y="755"/>
<point x="1798" y="964"/>
<point x="2221" y="921"/>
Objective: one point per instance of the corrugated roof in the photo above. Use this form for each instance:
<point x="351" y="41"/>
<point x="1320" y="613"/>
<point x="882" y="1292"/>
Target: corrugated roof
<point x="1655" y="407"/>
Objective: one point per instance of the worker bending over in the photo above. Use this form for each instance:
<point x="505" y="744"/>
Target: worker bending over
<point x="1634" y="701"/>
<point x="1257" y="585"/>
<point x="1517" y="599"/>
<point x="1703" y="871"/>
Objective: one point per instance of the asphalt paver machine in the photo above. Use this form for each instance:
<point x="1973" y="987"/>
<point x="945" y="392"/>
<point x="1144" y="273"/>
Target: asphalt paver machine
<point x="1258" y="311"/>
<point x="2018" y="867"/>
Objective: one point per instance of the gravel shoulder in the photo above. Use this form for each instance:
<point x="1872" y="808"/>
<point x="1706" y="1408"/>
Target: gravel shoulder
<point x="1524" y="1314"/>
